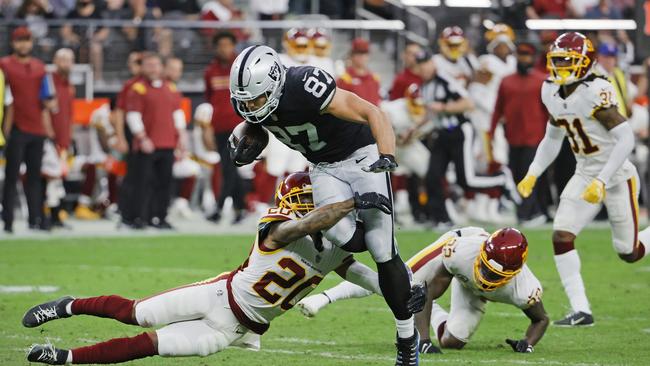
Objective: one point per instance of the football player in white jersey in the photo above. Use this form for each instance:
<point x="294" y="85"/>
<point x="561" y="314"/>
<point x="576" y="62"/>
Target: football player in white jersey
<point x="582" y="106"/>
<point x="287" y="261"/>
<point x="479" y="267"/>
<point x="454" y="60"/>
<point x="404" y="114"/>
<point x="321" y="45"/>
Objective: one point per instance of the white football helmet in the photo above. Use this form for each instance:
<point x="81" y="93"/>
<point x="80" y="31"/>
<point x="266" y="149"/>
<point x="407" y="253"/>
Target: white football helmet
<point x="256" y="72"/>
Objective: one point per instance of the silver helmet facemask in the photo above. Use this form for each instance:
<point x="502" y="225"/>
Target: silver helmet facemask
<point x="256" y="72"/>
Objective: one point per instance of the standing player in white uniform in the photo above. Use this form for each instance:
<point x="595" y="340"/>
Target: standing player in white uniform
<point x="287" y="261"/>
<point x="582" y="106"/>
<point x="351" y="146"/>
<point x="479" y="267"/>
<point x="321" y="46"/>
<point x="454" y="60"/>
<point x="404" y="114"/>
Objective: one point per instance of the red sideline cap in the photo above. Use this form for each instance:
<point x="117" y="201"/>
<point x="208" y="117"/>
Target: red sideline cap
<point x="360" y="45"/>
<point x="21" y="33"/>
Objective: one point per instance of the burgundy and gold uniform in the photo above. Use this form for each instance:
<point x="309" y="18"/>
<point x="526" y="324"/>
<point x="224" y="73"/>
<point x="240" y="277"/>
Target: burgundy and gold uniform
<point x="271" y="282"/>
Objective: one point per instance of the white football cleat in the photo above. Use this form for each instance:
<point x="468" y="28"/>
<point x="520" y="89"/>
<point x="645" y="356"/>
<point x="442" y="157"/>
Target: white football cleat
<point x="310" y="305"/>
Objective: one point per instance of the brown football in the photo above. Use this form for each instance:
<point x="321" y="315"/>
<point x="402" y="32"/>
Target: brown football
<point x="253" y="136"/>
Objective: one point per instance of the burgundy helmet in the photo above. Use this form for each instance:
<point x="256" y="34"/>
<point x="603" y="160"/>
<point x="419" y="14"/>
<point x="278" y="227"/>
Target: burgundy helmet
<point x="570" y="58"/>
<point x="502" y="256"/>
<point x="295" y="194"/>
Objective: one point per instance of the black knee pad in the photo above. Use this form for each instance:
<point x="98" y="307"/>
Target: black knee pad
<point x="357" y="243"/>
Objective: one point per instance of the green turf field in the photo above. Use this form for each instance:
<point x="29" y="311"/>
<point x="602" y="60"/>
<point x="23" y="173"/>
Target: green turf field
<point x="357" y="332"/>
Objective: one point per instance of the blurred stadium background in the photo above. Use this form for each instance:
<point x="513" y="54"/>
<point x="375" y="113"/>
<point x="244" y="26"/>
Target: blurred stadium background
<point x="102" y="34"/>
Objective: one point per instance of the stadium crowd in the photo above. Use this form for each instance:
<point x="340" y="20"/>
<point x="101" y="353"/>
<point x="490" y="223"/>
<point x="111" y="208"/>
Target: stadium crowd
<point x="475" y="104"/>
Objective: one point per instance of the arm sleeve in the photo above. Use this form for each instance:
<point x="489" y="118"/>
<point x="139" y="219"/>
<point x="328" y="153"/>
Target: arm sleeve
<point x="135" y="122"/>
<point x="179" y="119"/>
<point x="624" y="137"/>
<point x="47" y="90"/>
<point x="602" y="97"/>
<point x="9" y="98"/>
<point x="361" y="275"/>
<point x="346" y="290"/>
<point x="547" y="150"/>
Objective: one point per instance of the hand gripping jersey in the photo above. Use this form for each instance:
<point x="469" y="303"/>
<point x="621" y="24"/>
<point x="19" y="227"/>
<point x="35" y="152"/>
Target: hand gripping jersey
<point x="299" y="123"/>
<point x="459" y="250"/>
<point x="271" y="282"/>
<point x="590" y="141"/>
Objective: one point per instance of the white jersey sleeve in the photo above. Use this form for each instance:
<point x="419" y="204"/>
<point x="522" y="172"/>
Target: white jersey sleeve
<point x="599" y="95"/>
<point x="524" y="290"/>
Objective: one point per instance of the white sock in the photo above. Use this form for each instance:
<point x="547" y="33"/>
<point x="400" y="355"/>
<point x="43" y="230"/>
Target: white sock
<point x="568" y="266"/>
<point x="438" y="316"/>
<point x="405" y="328"/>
<point x="68" y="309"/>
<point x="346" y="290"/>
<point x="68" y="360"/>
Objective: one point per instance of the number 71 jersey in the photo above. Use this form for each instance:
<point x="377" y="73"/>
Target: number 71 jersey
<point x="299" y="121"/>
<point x="590" y="141"/>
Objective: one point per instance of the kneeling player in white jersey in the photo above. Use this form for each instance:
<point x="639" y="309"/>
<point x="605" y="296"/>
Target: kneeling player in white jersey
<point x="582" y="106"/>
<point x="288" y="260"/>
<point x="479" y="267"/>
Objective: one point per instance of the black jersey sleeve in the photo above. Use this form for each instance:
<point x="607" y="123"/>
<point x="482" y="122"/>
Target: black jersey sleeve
<point x="310" y="88"/>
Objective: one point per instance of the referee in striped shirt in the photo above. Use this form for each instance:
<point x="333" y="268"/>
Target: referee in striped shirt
<point x="447" y="103"/>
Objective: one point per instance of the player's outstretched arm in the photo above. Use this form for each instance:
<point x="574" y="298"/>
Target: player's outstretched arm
<point x="538" y="323"/>
<point x="351" y="107"/>
<point x="325" y="217"/>
<point x="546" y="153"/>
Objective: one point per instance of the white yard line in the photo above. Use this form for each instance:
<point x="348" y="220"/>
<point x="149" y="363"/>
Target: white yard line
<point x="426" y="359"/>
<point x="9" y="289"/>
<point x="303" y="341"/>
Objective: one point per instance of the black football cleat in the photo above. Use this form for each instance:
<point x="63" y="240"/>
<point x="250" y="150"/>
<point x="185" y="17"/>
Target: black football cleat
<point x="43" y="313"/>
<point x="47" y="353"/>
<point x="577" y="319"/>
<point x="426" y="346"/>
<point x="408" y="350"/>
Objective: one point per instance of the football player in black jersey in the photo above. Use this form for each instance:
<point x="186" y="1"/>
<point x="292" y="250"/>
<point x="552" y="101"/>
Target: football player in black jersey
<point x="351" y="146"/>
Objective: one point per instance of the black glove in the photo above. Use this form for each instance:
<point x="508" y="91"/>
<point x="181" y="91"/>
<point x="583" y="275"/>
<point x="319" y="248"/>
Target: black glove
<point x="373" y="200"/>
<point x="520" y="346"/>
<point x="427" y="347"/>
<point x="242" y="153"/>
<point x="418" y="298"/>
<point x="385" y="163"/>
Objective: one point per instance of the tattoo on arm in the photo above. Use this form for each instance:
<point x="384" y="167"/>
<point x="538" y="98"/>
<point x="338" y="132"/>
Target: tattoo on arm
<point x="320" y="219"/>
<point x="609" y="117"/>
